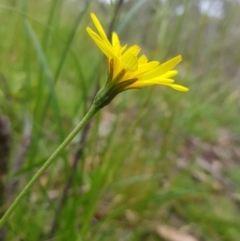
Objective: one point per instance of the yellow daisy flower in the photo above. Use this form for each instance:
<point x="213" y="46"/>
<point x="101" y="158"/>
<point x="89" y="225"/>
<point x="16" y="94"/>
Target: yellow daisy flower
<point x="128" y="71"/>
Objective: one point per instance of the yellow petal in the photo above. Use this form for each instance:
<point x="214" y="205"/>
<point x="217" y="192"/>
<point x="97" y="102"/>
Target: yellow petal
<point x="115" y="39"/>
<point x="142" y="69"/>
<point x="139" y="84"/>
<point x="161" y="69"/>
<point x="132" y="50"/>
<point x="143" y="59"/>
<point x="170" y="73"/>
<point x="149" y="65"/>
<point x="117" y="67"/>
<point x="170" y="64"/>
<point x="155" y="82"/>
<point x="116" y="43"/>
<point x="129" y="62"/>
<point x="108" y="51"/>
<point x="179" y="88"/>
<point x="123" y="48"/>
<point x="99" y="27"/>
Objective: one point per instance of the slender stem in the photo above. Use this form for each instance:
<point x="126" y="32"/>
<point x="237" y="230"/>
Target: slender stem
<point x="92" y="111"/>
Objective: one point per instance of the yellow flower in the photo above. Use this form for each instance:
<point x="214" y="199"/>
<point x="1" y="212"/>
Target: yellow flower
<point x="128" y="71"/>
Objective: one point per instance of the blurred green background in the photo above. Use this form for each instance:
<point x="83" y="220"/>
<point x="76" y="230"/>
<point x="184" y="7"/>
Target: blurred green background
<point x="154" y="163"/>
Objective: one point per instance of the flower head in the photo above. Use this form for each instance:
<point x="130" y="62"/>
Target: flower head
<point x="128" y="71"/>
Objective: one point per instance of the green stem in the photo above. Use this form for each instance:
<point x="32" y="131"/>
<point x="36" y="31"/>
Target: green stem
<point x="92" y="111"/>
